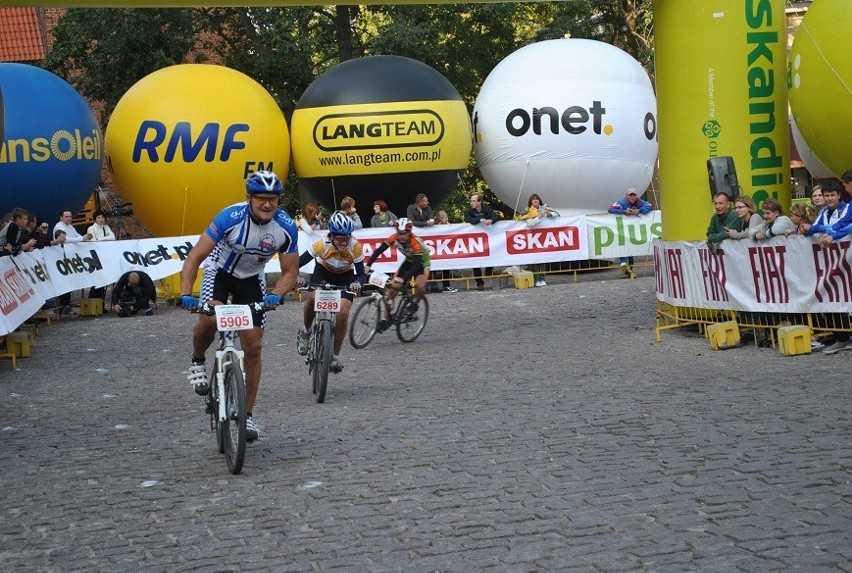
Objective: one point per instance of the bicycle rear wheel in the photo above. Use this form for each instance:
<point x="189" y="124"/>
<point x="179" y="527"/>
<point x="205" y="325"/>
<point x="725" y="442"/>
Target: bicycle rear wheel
<point x="364" y="322"/>
<point x="322" y="359"/>
<point x="411" y="323"/>
<point x="234" y="427"/>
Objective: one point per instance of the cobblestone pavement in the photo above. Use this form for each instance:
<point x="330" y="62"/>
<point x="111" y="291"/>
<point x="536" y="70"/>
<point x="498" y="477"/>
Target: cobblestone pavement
<point x="526" y="430"/>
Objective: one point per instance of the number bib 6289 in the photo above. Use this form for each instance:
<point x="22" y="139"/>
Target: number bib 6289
<point x="233" y="317"/>
<point x="327" y="301"/>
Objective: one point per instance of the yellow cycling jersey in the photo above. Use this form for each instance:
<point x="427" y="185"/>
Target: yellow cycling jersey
<point x="336" y="260"/>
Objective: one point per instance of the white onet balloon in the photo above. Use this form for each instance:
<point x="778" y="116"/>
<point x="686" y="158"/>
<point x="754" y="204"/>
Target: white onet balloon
<point x="577" y="154"/>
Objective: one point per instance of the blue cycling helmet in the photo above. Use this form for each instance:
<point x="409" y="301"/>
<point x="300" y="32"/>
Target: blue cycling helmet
<point x="264" y="182"/>
<point x="340" y="224"/>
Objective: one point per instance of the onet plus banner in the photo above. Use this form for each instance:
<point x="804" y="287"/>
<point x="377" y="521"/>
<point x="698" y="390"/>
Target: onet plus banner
<point x="721" y="91"/>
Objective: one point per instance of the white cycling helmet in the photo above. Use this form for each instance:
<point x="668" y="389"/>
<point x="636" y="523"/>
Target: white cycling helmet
<point x="404" y="224"/>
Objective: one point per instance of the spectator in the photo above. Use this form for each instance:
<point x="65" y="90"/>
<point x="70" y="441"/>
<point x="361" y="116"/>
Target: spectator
<point x="480" y="214"/>
<point x="846" y="179"/>
<point x="347" y="205"/>
<point x="419" y="212"/>
<point x="800" y="214"/>
<point x="382" y="217"/>
<point x="775" y="223"/>
<point x="14" y="237"/>
<point x="831" y="221"/>
<point x="99" y="230"/>
<point x="747" y="218"/>
<point x="816" y="197"/>
<point x="133" y="292"/>
<point x="71" y="236"/>
<point x="536" y="211"/>
<point x="41" y="236"/>
<point x="723" y="218"/>
<point x="311" y="219"/>
<point x="833" y="217"/>
<point x="444" y="276"/>
<point x="631" y="206"/>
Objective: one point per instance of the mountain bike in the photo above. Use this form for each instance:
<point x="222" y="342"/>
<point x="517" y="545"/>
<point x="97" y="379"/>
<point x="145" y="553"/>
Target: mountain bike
<point x="407" y="314"/>
<point x="327" y="301"/>
<point x="226" y="401"/>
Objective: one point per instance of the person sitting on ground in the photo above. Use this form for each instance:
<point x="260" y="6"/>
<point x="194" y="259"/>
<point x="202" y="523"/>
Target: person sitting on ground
<point x="724" y="218"/>
<point x="775" y="223"/>
<point x="339" y="260"/>
<point x="347" y="206"/>
<point x="748" y="219"/>
<point x="441" y="218"/>
<point x="630" y="206"/>
<point x="134" y="291"/>
<point x="382" y="217"/>
<point x="800" y="214"/>
<point x="536" y="211"/>
<point x="480" y="214"/>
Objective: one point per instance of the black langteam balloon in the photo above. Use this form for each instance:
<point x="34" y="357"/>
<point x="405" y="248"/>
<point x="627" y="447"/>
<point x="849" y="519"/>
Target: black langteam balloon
<point x="380" y="127"/>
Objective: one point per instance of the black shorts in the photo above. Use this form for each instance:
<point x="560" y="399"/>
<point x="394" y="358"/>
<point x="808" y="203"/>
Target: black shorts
<point x="410" y="269"/>
<point x="322" y="274"/>
<point x="241" y="291"/>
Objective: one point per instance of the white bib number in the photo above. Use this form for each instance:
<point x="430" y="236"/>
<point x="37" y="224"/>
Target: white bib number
<point x="379" y="279"/>
<point x="327" y="301"/>
<point x="233" y="317"/>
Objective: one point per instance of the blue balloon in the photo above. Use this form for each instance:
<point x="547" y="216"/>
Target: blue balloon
<point x="52" y="146"/>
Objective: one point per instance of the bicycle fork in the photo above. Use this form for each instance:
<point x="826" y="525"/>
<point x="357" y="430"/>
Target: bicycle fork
<point x="220" y="375"/>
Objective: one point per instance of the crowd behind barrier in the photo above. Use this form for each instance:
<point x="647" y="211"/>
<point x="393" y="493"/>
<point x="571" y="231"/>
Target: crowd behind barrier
<point x="785" y="275"/>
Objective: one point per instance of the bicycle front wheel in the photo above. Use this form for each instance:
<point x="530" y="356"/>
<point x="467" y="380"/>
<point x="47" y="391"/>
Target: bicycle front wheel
<point x="234" y="427"/>
<point x="412" y="322"/>
<point x="364" y="322"/>
<point x="322" y="359"/>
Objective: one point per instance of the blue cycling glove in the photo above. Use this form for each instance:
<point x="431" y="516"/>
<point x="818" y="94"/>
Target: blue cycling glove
<point x="189" y="301"/>
<point x="272" y="300"/>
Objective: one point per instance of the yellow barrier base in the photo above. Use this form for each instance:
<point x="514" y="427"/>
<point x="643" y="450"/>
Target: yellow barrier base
<point x="169" y="287"/>
<point x="794" y="340"/>
<point x="91" y="307"/>
<point x="18" y="343"/>
<point x="524" y="279"/>
<point x="723" y="335"/>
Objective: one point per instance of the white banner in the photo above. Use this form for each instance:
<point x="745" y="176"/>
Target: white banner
<point x="787" y="275"/>
<point x="29" y="279"/>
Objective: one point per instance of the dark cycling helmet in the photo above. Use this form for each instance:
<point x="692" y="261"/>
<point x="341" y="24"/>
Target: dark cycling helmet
<point x="340" y="224"/>
<point x="264" y="182"/>
<point x="404" y="224"/>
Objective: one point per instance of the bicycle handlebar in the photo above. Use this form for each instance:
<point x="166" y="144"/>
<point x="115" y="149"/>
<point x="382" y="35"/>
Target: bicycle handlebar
<point x="210" y="309"/>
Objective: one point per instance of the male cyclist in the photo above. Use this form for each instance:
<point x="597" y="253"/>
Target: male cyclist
<point x="417" y="259"/>
<point x="339" y="261"/>
<point x="235" y="248"/>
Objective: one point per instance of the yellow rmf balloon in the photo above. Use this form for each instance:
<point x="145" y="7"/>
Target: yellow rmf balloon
<point x="820" y="76"/>
<point x="182" y="141"/>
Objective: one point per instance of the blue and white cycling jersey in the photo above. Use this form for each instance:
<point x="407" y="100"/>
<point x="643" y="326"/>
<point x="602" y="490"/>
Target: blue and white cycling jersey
<point x="243" y="247"/>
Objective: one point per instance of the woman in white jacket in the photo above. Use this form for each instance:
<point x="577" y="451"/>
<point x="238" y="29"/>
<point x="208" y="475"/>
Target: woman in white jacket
<point x="775" y="223"/>
<point x="100" y="231"/>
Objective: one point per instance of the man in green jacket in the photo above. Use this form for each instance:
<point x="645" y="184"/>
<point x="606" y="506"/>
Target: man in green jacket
<point x="723" y="219"/>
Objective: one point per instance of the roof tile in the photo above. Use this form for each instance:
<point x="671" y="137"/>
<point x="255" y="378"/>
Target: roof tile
<point x="21" y="35"/>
